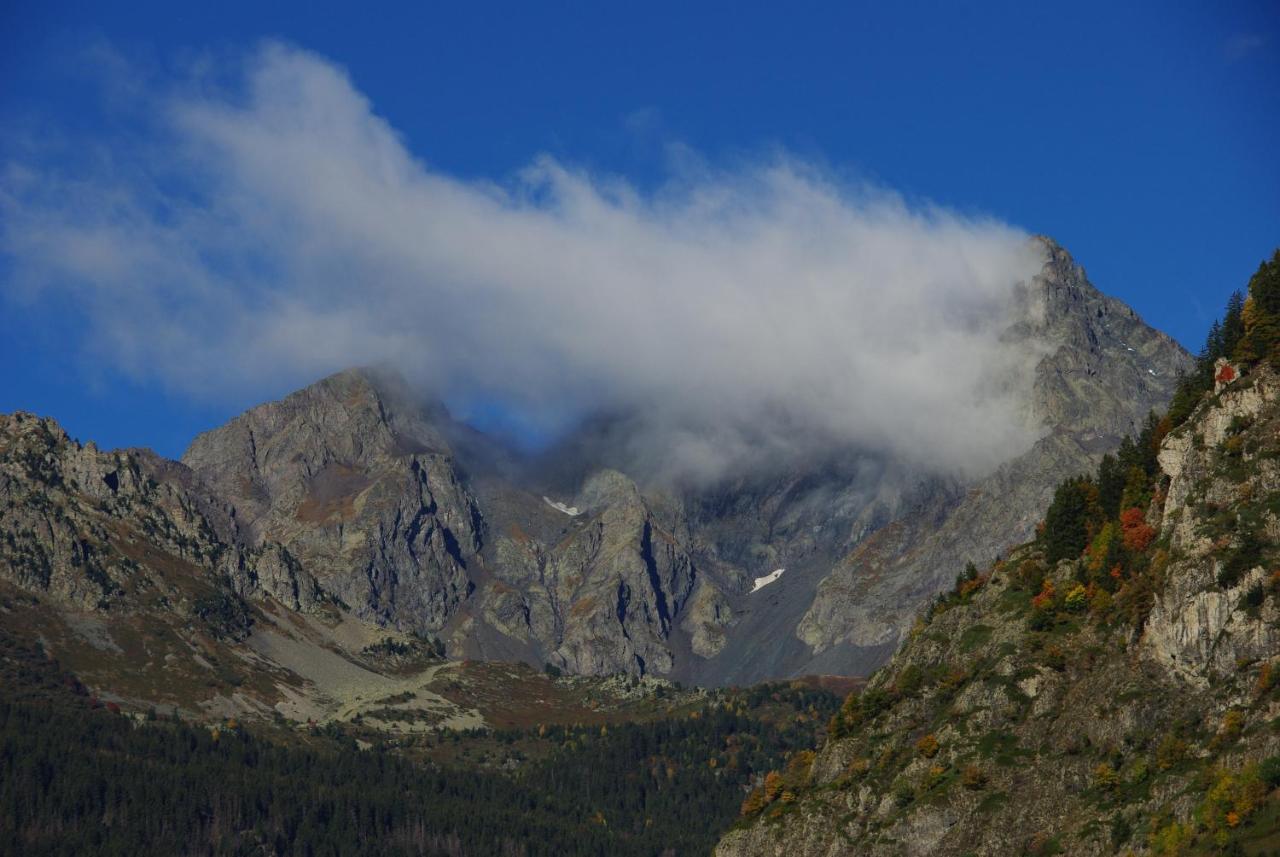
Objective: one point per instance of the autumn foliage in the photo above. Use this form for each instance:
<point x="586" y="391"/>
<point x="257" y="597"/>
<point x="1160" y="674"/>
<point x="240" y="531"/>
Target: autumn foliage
<point x="973" y="778"/>
<point x="1138" y="535"/>
<point x="927" y="746"/>
<point x="1044" y="600"/>
<point x="781" y="786"/>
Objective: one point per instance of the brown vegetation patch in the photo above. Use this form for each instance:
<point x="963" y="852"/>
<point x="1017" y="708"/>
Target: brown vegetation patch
<point x="331" y="495"/>
<point x="840" y="685"/>
<point x="582" y="607"/>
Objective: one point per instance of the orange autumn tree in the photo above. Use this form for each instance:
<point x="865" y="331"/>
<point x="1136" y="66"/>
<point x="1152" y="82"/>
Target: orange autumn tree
<point x="1137" y="534"/>
<point x="1045" y="598"/>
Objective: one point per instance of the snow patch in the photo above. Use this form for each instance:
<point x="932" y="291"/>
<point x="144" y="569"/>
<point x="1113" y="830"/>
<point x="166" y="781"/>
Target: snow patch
<point x="762" y="582"/>
<point x="571" y="511"/>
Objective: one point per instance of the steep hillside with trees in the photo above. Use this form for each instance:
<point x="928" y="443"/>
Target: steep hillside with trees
<point x="1111" y="687"/>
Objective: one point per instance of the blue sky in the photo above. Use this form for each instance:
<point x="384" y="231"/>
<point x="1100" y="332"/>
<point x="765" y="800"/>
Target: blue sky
<point x="1142" y="136"/>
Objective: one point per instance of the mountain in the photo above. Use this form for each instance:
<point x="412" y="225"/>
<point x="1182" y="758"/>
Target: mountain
<point x="361" y="490"/>
<point x="1110" y="687"/>
<point x="1103" y="371"/>
<point x="101" y="531"/>
<point x="359" y="481"/>
<point x="355" y="501"/>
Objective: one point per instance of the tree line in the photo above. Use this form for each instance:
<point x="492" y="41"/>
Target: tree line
<point x="80" y="777"/>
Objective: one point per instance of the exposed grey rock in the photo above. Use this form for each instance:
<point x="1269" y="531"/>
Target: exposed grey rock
<point x="1099" y="371"/>
<point x="357" y="483"/>
<point x="1196" y="628"/>
<point x="614" y="584"/>
<point x="97" y="529"/>
<point x="356" y="488"/>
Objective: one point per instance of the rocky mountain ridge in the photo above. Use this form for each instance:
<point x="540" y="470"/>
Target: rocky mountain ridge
<point x="353" y="495"/>
<point x="363" y="492"/>
<point x="1098" y="372"/>
<point x="88" y="528"/>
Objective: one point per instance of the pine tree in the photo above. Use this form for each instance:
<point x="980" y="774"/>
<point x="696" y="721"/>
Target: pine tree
<point x="1214" y="347"/>
<point x="1232" y="328"/>
<point x="1261" y="316"/>
<point x="1111" y="483"/>
<point x="1066" y="522"/>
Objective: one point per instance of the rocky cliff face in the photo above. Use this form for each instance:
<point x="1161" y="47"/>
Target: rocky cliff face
<point x="1063" y="708"/>
<point x="356" y="488"/>
<point x="357" y="485"/>
<point x="1099" y="371"/>
<point x="361" y="483"/>
<point x="606" y="584"/>
<point x="1219" y="515"/>
<point x="619" y="579"/>
<point x="118" y="530"/>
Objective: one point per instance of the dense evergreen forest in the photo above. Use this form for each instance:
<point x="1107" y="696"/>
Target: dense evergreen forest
<point x="82" y="777"/>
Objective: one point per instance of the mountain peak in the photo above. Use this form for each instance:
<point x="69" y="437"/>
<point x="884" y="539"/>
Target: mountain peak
<point x="1051" y="246"/>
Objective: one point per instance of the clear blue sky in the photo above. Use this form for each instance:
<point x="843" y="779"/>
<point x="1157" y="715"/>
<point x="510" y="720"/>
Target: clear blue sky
<point x="1143" y="136"/>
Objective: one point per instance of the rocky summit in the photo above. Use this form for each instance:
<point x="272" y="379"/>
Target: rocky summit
<point x="358" y="496"/>
<point x="360" y="489"/>
<point x="1099" y="371"/>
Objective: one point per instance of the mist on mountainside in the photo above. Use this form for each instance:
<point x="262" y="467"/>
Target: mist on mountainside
<point x="771" y="312"/>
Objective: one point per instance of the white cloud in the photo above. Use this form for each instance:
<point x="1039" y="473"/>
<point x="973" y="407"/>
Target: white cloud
<point x="279" y="229"/>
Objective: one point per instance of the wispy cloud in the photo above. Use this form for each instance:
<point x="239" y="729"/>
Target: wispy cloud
<point x="277" y="228"/>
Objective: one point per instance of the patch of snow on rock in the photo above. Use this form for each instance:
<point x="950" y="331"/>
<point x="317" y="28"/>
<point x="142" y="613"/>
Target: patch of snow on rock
<point x="571" y="511"/>
<point x="762" y="582"/>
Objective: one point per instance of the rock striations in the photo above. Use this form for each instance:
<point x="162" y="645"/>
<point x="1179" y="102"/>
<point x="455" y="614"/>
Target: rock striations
<point x="115" y="531"/>
<point x="360" y="488"/>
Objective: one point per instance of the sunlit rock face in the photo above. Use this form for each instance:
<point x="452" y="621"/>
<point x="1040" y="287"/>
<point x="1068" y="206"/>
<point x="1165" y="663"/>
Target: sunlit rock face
<point x="360" y="487"/>
<point x="127" y="531"/>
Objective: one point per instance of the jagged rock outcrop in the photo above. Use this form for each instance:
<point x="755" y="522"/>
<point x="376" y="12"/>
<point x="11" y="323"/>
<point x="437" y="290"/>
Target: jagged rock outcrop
<point x="359" y="485"/>
<point x="95" y="530"/>
<point x="615" y="590"/>
<point x="1227" y="455"/>
<point x="621" y="579"/>
<point x="1045" y="708"/>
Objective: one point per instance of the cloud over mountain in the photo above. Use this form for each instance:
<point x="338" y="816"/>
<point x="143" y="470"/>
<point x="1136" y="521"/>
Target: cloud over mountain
<point x="273" y="228"/>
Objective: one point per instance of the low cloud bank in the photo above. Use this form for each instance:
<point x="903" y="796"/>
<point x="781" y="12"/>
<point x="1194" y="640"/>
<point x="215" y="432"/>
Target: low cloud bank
<point x="276" y="228"/>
